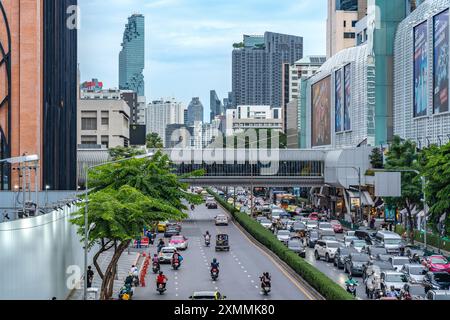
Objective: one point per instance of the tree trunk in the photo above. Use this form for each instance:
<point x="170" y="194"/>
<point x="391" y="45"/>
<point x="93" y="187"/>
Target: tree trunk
<point x="104" y="248"/>
<point x="110" y="273"/>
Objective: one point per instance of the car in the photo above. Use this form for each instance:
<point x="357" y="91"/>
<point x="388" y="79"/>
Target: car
<point x="392" y="278"/>
<point x="179" y="242"/>
<point x="207" y="295"/>
<point x="175" y="224"/>
<point x="211" y="205"/>
<point x="414" y="272"/>
<point x="298" y="227"/>
<point x="416" y="291"/>
<point x="358" y="244"/>
<point x="366" y="235"/>
<point x="374" y="250"/>
<point x="348" y="240"/>
<point x="350" y="233"/>
<point x="297" y="246"/>
<point x="266" y="223"/>
<point x="221" y="220"/>
<point x="171" y="231"/>
<point x="312" y="224"/>
<point x="390" y="240"/>
<point x="283" y="236"/>
<point x="276" y="213"/>
<point x="337" y="226"/>
<point x="314" y="216"/>
<point x="289" y="224"/>
<point x="377" y="267"/>
<point x="437" y="263"/>
<point x="399" y="262"/>
<point x="438" y="295"/>
<point x="165" y="255"/>
<point x="354" y="263"/>
<point x="383" y="257"/>
<point x="162" y="226"/>
<point x="436" y="281"/>
<point x="325" y="226"/>
<point x="325" y="249"/>
<point x="327" y="235"/>
<point x="341" y="254"/>
<point x="313" y="236"/>
<point x="411" y="250"/>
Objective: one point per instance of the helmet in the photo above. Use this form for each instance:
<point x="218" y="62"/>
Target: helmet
<point x="214" y="260"/>
<point x="161" y="273"/>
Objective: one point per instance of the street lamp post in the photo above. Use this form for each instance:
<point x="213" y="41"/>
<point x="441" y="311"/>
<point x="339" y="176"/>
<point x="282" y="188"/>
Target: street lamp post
<point x="86" y="220"/>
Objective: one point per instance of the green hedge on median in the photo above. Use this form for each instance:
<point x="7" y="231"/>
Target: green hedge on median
<point x="432" y="239"/>
<point x="319" y="281"/>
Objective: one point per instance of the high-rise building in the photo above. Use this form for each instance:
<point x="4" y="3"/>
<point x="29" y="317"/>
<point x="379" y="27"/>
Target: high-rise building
<point x="257" y="67"/>
<point x="194" y="111"/>
<point x="132" y="56"/>
<point x="216" y="106"/>
<point x="228" y="102"/>
<point x="38" y="95"/>
<point x="164" y="112"/>
<point x="341" y="21"/>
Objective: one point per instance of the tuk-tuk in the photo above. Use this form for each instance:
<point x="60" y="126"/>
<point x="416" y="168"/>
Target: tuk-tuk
<point x="222" y="243"/>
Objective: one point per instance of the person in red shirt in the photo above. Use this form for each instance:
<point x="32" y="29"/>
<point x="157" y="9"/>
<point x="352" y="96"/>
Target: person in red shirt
<point x="161" y="279"/>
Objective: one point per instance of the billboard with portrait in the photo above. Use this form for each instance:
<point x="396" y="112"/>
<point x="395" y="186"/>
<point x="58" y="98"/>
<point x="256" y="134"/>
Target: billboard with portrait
<point x="347" y="97"/>
<point x="321" y="113"/>
<point x="420" y="70"/>
<point x="441" y="62"/>
<point x="339" y="101"/>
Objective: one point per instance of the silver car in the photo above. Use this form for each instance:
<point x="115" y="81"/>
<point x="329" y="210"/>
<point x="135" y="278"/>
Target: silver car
<point x="284" y="236"/>
<point x="266" y="223"/>
<point x="414" y="272"/>
<point x="392" y="279"/>
<point x="398" y="262"/>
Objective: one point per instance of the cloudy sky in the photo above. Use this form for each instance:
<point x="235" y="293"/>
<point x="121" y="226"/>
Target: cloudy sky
<point x="189" y="42"/>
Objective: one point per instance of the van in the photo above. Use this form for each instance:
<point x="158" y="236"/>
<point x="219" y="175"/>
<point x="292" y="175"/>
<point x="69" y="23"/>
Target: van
<point x="391" y="241"/>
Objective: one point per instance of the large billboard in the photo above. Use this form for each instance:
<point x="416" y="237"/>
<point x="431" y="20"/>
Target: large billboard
<point x="347" y="97"/>
<point x="441" y="62"/>
<point x="321" y="113"/>
<point x="420" y="70"/>
<point x="339" y="101"/>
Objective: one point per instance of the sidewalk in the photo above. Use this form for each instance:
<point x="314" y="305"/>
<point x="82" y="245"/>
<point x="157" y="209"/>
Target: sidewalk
<point x="123" y="268"/>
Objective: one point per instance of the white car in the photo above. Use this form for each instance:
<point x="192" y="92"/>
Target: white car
<point x="414" y="272"/>
<point x="311" y="225"/>
<point x="358" y="245"/>
<point x="284" y="236"/>
<point x="266" y="223"/>
<point x="399" y="262"/>
<point x="166" y="254"/>
<point x="325" y="226"/>
<point x="326" y="249"/>
<point x="221" y="220"/>
<point x="276" y="213"/>
<point x="348" y="240"/>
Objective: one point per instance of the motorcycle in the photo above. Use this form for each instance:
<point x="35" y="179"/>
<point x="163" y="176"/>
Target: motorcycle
<point x="126" y="293"/>
<point x="214" y="274"/>
<point x="156" y="267"/>
<point x="351" y="288"/>
<point x="266" y="288"/>
<point x="161" y="288"/>
<point x="136" y="281"/>
<point x="207" y="242"/>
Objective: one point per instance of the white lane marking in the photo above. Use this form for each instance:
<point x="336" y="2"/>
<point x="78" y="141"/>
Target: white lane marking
<point x="245" y="271"/>
<point x="253" y="281"/>
<point x="176" y="295"/>
<point x="249" y="276"/>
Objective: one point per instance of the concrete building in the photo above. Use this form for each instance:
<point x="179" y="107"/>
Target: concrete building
<point x="164" y="112"/>
<point x="253" y="117"/>
<point x="194" y="112"/>
<point x="341" y="22"/>
<point x="257" y="68"/>
<point x="38" y="91"/>
<point x="132" y="56"/>
<point x="421" y="75"/>
<point x="104" y="121"/>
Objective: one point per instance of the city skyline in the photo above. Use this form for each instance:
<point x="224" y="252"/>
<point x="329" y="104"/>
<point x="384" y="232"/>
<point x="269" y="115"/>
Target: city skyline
<point x="185" y="46"/>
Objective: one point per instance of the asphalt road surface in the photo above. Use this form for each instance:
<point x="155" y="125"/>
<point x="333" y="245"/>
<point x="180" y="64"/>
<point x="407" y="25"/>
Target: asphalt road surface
<point x="240" y="268"/>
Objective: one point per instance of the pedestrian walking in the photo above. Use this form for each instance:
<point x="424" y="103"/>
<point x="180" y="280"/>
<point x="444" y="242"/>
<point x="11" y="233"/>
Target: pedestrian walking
<point x="90" y="277"/>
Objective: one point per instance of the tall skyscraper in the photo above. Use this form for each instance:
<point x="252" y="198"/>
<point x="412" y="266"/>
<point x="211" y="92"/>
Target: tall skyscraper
<point x="38" y="99"/>
<point x="194" y="112"/>
<point x="257" y="67"/>
<point x="341" y="22"/>
<point x="216" y="106"/>
<point x="132" y="56"/>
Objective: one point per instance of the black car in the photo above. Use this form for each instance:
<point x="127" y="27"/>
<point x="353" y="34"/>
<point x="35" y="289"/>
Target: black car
<point x="354" y="263"/>
<point x="436" y="281"/>
<point x="341" y="254"/>
<point x="312" y="238"/>
<point x="211" y="205"/>
<point x="171" y="231"/>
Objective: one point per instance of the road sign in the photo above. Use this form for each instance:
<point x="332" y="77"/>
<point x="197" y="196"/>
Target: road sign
<point x="388" y="184"/>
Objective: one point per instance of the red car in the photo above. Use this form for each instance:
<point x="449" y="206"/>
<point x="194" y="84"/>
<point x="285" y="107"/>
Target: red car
<point x="314" y="216"/>
<point x="437" y="263"/>
<point x="337" y="227"/>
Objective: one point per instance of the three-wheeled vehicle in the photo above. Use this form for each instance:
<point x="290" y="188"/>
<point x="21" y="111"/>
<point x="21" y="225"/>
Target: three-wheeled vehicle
<point x="222" y="243"/>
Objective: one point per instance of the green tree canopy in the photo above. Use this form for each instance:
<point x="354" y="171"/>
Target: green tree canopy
<point x="118" y="153"/>
<point x="154" y="141"/>
<point x="376" y="159"/>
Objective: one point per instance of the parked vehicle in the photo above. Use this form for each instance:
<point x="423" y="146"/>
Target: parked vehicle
<point x="437" y="263"/>
<point x="297" y="246"/>
<point x="341" y="254"/>
<point x="326" y="249"/>
<point x="436" y="281"/>
<point x="415" y="273"/>
<point x="390" y="240"/>
<point x="354" y="263"/>
<point x="392" y="278"/>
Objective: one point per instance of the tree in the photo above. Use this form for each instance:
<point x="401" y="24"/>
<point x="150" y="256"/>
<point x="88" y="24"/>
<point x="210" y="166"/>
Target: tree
<point x="118" y="153"/>
<point x="436" y="169"/>
<point x="124" y="198"/>
<point x="376" y="159"/>
<point x="403" y="155"/>
<point x="154" y="141"/>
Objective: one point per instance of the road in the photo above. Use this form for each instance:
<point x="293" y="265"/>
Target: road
<point x="239" y="269"/>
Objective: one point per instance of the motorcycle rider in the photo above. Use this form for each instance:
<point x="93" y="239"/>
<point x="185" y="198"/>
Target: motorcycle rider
<point x="351" y="282"/>
<point x="176" y="257"/>
<point x="161" y="245"/>
<point x="155" y="261"/>
<point x="393" y="293"/>
<point x="215" y="266"/>
<point x="161" y="279"/>
<point x="265" y="280"/>
<point x="207" y="237"/>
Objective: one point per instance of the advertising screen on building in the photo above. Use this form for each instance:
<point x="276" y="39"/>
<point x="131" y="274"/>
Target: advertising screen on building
<point x="321" y="113"/>
<point x="347" y="98"/>
<point x="441" y="62"/>
<point x="420" y="70"/>
<point x="339" y="101"/>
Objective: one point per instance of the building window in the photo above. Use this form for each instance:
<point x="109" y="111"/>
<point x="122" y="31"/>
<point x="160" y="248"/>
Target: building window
<point x="349" y="35"/>
<point x="354" y="23"/>
<point x="89" y="140"/>
<point x="88" y="120"/>
<point x="105" y="118"/>
<point x="345" y="23"/>
<point x="105" y="141"/>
